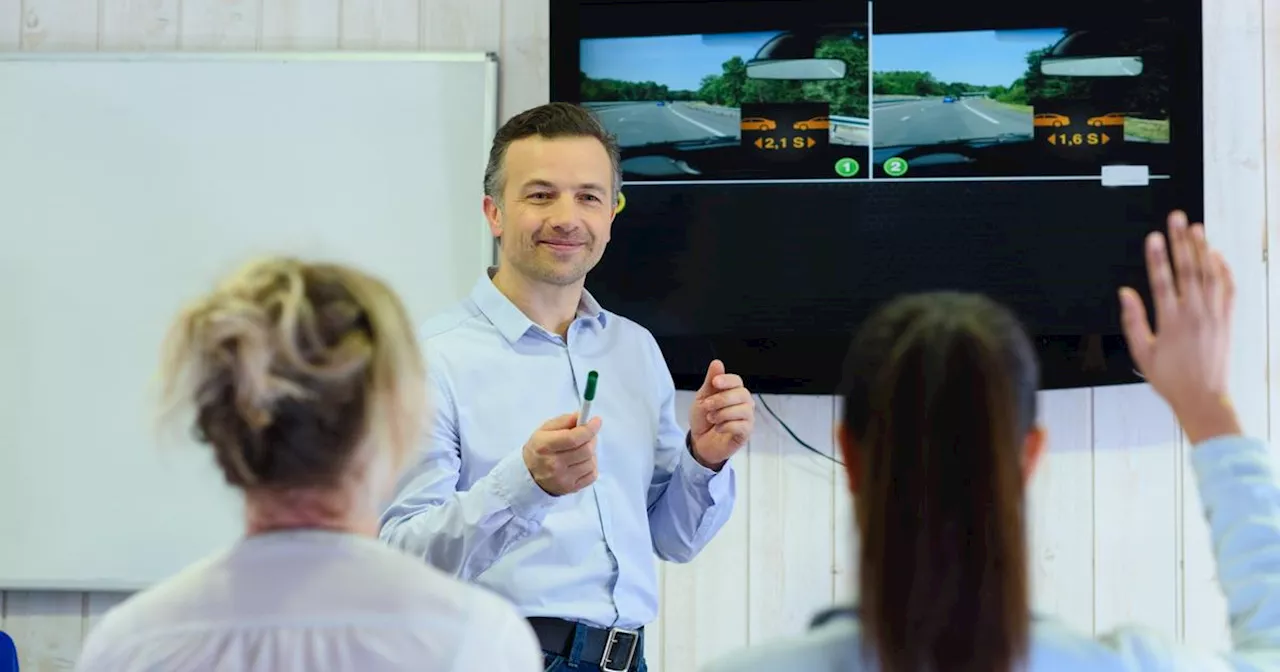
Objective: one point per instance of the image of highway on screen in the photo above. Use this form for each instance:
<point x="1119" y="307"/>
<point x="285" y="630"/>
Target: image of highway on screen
<point x="734" y="106"/>
<point x="1053" y="102"/>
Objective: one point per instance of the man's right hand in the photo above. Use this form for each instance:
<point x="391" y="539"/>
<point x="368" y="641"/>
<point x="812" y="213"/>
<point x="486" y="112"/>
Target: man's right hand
<point x="1186" y="359"/>
<point x="562" y="456"/>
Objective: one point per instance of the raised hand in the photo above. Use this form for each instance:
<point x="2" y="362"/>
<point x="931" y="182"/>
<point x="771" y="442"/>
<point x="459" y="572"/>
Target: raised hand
<point x="561" y="455"/>
<point x="722" y="417"/>
<point x="1185" y="359"/>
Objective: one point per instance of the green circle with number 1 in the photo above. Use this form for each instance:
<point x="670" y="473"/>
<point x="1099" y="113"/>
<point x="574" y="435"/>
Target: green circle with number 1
<point x="895" y="167"/>
<point x="846" y="167"/>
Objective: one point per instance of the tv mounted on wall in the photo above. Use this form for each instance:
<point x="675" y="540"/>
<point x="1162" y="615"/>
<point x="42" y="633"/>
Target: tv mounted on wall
<point x="788" y="165"/>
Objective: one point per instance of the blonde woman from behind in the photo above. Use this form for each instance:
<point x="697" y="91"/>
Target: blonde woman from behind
<point x="306" y="383"/>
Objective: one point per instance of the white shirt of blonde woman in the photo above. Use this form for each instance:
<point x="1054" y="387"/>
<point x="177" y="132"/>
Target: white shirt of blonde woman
<point x="315" y="601"/>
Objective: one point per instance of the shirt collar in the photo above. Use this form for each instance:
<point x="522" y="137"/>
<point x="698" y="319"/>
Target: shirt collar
<point x="509" y="320"/>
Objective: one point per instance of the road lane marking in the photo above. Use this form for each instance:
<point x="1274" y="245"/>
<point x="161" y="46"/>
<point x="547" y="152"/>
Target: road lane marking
<point x="699" y="124"/>
<point x="966" y="106"/>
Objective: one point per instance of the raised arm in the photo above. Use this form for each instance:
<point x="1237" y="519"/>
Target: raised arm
<point x="1186" y="362"/>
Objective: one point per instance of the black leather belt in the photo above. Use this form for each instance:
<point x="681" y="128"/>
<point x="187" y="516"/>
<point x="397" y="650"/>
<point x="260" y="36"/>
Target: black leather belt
<point x="614" y="649"/>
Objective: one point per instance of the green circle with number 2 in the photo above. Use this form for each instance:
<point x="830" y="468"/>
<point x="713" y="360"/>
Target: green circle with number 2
<point x="895" y="166"/>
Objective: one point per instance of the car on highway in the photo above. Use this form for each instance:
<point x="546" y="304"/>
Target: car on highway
<point x="660" y="103"/>
<point x="948" y="99"/>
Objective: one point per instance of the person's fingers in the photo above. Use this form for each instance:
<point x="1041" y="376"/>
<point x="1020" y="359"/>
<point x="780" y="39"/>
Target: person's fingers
<point x="582" y="480"/>
<point x="727" y="381"/>
<point x="742" y="411"/>
<point x="738" y="430"/>
<point x="1228" y="285"/>
<point x="577" y="456"/>
<point x="1203" y="260"/>
<point x="566" y="421"/>
<point x="1197" y="275"/>
<point x="1186" y="275"/>
<point x="1161" y="278"/>
<point x="716" y="368"/>
<point x="1136" y="327"/>
<point x="558" y="441"/>
<point x="731" y="397"/>
<point x="1210" y="274"/>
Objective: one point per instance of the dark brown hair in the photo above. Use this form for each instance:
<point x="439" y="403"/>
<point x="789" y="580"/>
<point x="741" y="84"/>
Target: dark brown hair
<point x="553" y="120"/>
<point x="940" y="393"/>
<point x="289" y="366"/>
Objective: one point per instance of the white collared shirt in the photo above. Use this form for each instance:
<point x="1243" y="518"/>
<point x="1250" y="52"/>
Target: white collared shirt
<point x="315" y="601"/>
<point x="469" y="507"/>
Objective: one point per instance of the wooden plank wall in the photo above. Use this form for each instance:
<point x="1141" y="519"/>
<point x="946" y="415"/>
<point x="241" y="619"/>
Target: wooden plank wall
<point x="1117" y="528"/>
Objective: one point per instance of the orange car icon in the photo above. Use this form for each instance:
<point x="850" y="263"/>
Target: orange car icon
<point x="814" y="124"/>
<point x="1108" y="119"/>
<point x="1051" y="119"/>
<point x="758" y="124"/>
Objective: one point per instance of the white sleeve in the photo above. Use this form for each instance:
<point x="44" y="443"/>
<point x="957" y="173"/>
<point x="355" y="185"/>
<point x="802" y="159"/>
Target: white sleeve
<point x="1241" y="498"/>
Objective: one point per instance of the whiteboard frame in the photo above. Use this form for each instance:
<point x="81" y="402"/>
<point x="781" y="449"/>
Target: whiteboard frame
<point x="488" y="253"/>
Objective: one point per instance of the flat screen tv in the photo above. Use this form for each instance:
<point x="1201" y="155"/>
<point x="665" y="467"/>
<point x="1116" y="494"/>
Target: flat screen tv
<point x="789" y="165"/>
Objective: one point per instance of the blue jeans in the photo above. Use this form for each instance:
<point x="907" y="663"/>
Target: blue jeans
<point x="554" y="662"/>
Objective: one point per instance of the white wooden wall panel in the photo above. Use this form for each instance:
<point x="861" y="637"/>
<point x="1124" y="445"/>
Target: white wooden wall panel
<point x="525" y="68"/>
<point x="380" y="24"/>
<point x="1117" y="533"/>
<point x="790" y="516"/>
<point x="706" y="602"/>
<point x="466" y="24"/>
<point x="844" y="539"/>
<point x="47" y="627"/>
<point x="301" y="24"/>
<point x="1135" y="456"/>
<point x="10" y="24"/>
<point x="1061" y="511"/>
<point x="139" y="25"/>
<point x="1271" y="164"/>
<point x="220" y="25"/>
<point x="60" y="25"/>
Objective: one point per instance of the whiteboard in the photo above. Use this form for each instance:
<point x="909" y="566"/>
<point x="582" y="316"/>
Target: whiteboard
<point x="129" y="183"/>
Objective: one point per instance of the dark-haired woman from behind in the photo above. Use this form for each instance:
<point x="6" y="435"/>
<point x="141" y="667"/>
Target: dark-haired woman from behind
<point x="939" y="438"/>
<point x="306" y="382"/>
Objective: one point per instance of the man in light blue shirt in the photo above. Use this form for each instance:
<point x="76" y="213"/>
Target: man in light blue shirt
<point x="563" y="520"/>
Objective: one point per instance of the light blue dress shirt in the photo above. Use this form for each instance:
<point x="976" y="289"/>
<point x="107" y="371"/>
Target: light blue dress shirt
<point x="1241" y="499"/>
<point x="470" y="507"/>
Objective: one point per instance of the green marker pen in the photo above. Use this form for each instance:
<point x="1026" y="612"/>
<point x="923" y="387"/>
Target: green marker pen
<point x="584" y="414"/>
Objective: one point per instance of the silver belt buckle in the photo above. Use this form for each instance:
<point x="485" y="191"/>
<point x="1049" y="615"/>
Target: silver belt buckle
<point x="613" y="642"/>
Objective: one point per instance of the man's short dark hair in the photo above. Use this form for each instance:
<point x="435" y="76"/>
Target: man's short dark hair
<point x="553" y="120"/>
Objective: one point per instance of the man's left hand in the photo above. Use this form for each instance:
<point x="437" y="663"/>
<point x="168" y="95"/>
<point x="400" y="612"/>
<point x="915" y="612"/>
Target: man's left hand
<point x="722" y="417"/>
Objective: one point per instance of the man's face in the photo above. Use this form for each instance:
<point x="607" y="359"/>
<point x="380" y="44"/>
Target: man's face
<point x="556" y="210"/>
